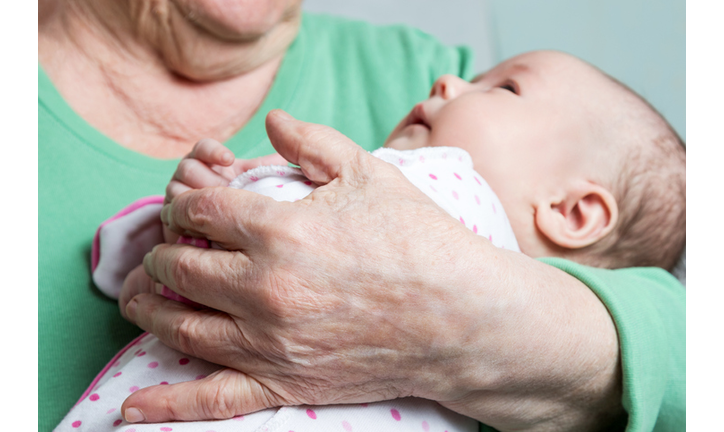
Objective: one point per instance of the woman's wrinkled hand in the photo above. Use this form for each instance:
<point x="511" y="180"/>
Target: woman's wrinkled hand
<point x="363" y="291"/>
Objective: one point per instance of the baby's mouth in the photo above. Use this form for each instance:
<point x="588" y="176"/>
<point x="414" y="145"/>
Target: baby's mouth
<point x="417" y="117"/>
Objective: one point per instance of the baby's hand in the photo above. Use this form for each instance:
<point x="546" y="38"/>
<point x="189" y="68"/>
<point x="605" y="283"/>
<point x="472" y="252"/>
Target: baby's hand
<point x="210" y="164"/>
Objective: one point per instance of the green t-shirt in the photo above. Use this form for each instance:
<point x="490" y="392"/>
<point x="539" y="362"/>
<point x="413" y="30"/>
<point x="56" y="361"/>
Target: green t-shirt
<point x="357" y="78"/>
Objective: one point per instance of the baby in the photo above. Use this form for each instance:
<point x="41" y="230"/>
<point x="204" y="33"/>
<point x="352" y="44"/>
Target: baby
<point x="583" y="168"/>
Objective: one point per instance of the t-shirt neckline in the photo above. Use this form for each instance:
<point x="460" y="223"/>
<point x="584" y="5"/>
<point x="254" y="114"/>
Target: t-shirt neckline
<point x="249" y="138"/>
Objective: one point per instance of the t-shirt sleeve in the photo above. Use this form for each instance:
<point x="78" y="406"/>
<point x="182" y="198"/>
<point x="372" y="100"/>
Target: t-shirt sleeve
<point x="648" y="307"/>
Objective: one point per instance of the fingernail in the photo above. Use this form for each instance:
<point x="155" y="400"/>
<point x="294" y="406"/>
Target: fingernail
<point x="164" y="213"/>
<point x="283" y="115"/>
<point x="147" y="259"/>
<point x="131" y="313"/>
<point x="134" y="415"/>
<point x="226" y="158"/>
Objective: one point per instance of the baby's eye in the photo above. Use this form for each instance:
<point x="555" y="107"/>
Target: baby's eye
<point x="510" y="87"/>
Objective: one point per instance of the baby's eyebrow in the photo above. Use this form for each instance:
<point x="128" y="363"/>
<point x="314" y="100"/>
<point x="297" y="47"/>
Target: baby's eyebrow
<point x="478" y="77"/>
<point x="510" y="70"/>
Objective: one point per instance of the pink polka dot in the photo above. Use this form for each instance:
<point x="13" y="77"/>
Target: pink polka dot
<point x="117" y="363"/>
<point x="476" y="179"/>
<point x="141" y="354"/>
<point x="280" y="186"/>
<point x="133" y="389"/>
<point x="117" y="422"/>
<point x="401" y="161"/>
<point x="110" y="410"/>
<point x="462" y="221"/>
<point x="163" y="383"/>
<point x="117" y="374"/>
<point x="458" y="176"/>
<point x="347" y="426"/>
<point x="281" y="173"/>
<point x="94" y="397"/>
<point x="475" y="229"/>
<point x="252" y="178"/>
<point x="166" y="429"/>
<point x="137" y="351"/>
<point x="494" y="211"/>
<point x="238" y="418"/>
<point x="76" y="424"/>
<point x="153" y="365"/>
<point x="308" y="183"/>
<point x="432" y="176"/>
<point x="477" y="200"/>
<point x="455" y="195"/>
<point x="425" y="426"/>
<point x="183" y="361"/>
<point x="198" y="377"/>
<point x="395" y="414"/>
<point x="490" y="237"/>
<point x="433" y="188"/>
<point x="312" y="415"/>
<point x="422" y="158"/>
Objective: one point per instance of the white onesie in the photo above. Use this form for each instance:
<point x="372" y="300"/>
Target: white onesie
<point x="445" y="174"/>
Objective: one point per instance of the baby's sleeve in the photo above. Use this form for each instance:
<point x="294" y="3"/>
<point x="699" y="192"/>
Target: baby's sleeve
<point x="121" y="242"/>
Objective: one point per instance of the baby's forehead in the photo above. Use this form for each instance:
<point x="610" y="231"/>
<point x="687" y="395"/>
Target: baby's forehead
<point x="547" y="68"/>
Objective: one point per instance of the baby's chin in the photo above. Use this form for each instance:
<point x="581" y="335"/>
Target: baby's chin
<point x="410" y="138"/>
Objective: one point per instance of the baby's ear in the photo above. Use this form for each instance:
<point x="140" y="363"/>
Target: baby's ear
<point x="584" y="216"/>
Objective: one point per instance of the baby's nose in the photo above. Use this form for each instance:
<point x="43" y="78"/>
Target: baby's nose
<point x="447" y="86"/>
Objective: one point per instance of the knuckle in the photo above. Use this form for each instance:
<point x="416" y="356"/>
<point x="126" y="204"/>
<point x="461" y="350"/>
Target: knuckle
<point x="201" y="210"/>
<point x="183" y="268"/>
<point x="187" y="334"/>
<point x="218" y="401"/>
<point x="186" y="169"/>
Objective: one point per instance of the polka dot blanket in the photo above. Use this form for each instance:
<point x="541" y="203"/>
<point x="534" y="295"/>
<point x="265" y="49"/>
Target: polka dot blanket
<point x="445" y="174"/>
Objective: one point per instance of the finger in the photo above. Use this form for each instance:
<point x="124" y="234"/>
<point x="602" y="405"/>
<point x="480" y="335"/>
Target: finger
<point x="174" y="189"/>
<point x="137" y="282"/>
<point x="204" y="333"/>
<point x="242" y="165"/>
<point x="235" y="219"/>
<point x="196" y="174"/>
<point x="211" y="152"/>
<point x="201" y="275"/>
<point x="322" y="152"/>
<point x="222" y="395"/>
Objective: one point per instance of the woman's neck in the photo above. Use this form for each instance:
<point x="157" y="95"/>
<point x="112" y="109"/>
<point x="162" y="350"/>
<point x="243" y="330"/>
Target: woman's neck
<point x="121" y="74"/>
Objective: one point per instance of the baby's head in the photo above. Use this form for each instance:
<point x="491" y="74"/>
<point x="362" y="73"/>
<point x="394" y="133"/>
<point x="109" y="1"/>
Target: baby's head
<point x="585" y="168"/>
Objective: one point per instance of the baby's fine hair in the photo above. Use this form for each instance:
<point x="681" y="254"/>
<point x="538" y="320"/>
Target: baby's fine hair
<point x="649" y="188"/>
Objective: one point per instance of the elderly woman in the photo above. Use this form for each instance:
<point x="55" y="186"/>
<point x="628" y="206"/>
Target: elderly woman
<point x="127" y="87"/>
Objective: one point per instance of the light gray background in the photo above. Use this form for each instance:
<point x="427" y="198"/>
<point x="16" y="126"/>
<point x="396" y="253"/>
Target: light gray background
<point x="640" y="42"/>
